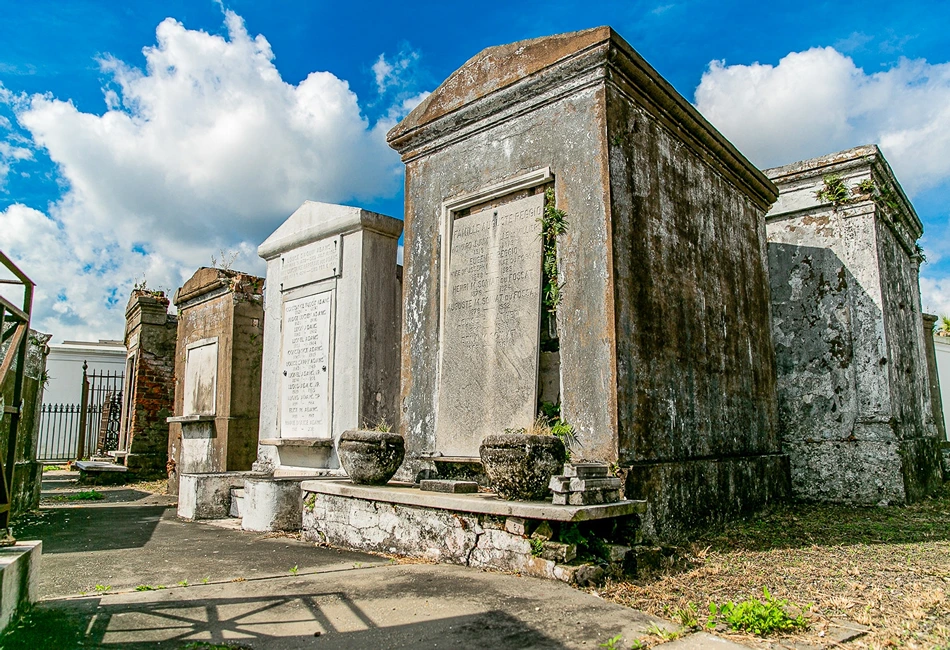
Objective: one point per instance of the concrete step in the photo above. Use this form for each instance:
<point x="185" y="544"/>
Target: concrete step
<point x="237" y="502"/>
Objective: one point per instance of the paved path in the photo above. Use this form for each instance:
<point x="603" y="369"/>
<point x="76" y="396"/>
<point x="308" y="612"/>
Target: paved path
<point x="266" y="591"/>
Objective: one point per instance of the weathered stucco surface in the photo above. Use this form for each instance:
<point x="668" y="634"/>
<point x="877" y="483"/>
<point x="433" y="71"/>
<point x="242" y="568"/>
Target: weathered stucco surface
<point x="433" y="534"/>
<point x="149" y="391"/>
<point x="227" y="307"/>
<point x="855" y="413"/>
<point x="27" y="476"/>
<point x="665" y="347"/>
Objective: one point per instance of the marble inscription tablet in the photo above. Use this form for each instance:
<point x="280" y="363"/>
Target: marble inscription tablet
<point x="490" y="345"/>
<point x="316" y="261"/>
<point x="304" y="367"/>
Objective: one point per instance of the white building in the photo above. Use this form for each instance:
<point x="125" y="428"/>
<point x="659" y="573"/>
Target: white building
<point x="64" y="367"/>
<point x="942" y="350"/>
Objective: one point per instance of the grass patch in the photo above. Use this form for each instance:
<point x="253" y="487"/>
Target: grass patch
<point x="53" y="468"/>
<point x="884" y="568"/>
<point x="85" y="495"/>
<point x="45" y="629"/>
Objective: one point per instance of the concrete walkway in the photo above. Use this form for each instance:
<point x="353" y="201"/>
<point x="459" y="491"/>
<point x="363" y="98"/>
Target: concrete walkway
<point x="244" y="590"/>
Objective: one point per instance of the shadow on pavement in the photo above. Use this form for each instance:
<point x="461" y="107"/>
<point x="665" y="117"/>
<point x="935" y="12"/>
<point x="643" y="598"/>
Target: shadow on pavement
<point x="84" y="529"/>
<point x="302" y="620"/>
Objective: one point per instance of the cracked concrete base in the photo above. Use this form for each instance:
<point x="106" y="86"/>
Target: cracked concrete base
<point x="433" y="534"/>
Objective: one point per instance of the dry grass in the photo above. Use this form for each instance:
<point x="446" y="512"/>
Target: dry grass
<point x="885" y="568"/>
<point x="155" y="487"/>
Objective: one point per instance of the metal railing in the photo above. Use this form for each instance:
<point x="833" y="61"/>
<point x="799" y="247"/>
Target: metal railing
<point x="90" y="428"/>
<point x="59" y="432"/>
<point x="14" y="327"/>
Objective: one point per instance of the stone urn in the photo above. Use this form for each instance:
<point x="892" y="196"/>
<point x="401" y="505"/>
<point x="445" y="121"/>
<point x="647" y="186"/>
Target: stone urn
<point x="520" y="466"/>
<point x="371" y="457"/>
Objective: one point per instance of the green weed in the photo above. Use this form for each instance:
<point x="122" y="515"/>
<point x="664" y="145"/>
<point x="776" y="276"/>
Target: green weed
<point x="86" y="495"/>
<point x="612" y="644"/>
<point x="101" y="589"/>
<point x="760" y="617"/>
<point x="294" y="570"/>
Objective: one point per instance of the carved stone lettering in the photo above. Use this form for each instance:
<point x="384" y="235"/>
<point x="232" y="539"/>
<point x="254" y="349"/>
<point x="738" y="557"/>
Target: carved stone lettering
<point x="311" y="263"/>
<point x="305" y="361"/>
<point x="489" y="370"/>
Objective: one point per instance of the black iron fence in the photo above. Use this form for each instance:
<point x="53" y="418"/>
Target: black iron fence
<point x="59" y="432"/>
<point x="90" y="428"/>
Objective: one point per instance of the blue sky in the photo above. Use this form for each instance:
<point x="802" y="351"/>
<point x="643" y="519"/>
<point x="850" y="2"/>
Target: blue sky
<point x="112" y="171"/>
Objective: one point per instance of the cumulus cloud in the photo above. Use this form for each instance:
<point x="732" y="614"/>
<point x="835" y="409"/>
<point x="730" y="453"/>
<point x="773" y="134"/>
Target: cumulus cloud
<point x="819" y="101"/>
<point x="396" y="72"/>
<point x="207" y="148"/>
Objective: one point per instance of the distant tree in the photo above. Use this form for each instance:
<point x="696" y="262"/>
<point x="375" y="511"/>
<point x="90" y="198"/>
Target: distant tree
<point x="943" y="326"/>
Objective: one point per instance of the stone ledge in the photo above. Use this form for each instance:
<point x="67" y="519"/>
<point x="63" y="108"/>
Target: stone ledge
<point x="19" y="579"/>
<point x="297" y="442"/>
<point x="487" y="504"/>
<point x="183" y="419"/>
<point x="98" y="466"/>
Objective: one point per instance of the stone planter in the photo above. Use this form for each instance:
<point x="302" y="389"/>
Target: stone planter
<point x="371" y="457"/>
<point x="520" y="466"/>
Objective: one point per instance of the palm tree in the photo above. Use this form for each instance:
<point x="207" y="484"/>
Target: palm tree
<point x="943" y="326"/>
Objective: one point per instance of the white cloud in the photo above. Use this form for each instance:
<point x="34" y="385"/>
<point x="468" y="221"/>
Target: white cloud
<point x="206" y="148"/>
<point x="935" y="295"/>
<point x="398" y="73"/>
<point x="818" y="101"/>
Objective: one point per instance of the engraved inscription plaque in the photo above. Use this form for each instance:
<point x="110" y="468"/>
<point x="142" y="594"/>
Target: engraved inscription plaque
<point x="304" y="361"/>
<point x="490" y="344"/>
<point x="316" y="261"/>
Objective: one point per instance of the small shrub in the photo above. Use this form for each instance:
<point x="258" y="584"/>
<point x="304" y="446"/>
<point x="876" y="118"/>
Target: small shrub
<point x="537" y="546"/>
<point x="760" y="617"/>
<point x="834" y="191"/>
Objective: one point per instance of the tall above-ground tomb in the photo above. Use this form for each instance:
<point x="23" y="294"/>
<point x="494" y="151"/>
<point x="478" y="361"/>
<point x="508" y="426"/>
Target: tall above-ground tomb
<point x="658" y="349"/>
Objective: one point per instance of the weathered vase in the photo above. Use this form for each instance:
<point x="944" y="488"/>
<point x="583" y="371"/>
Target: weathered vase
<point x="371" y="457"/>
<point x="520" y="466"/>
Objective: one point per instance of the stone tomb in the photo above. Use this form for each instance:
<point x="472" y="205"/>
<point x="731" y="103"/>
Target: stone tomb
<point x="331" y="334"/>
<point x="331" y="350"/>
<point x="149" y="389"/>
<point x="660" y="351"/>
<point x="218" y="366"/>
<point x="855" y="412"/>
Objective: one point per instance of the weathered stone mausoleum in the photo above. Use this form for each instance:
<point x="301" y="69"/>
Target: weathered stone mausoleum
<point x="331" y="336"/>
<point x="659" y="351"/>
<point x="149" y="389"/>
<point x="218" y="374"/>
<point x="855" y="411"/>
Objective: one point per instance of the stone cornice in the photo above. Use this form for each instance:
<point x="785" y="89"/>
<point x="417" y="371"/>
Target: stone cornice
<point x="601" y="57"/>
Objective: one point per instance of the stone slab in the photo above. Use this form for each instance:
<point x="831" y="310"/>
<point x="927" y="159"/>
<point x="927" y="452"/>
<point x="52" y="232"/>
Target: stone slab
<point x="586" y="470"/>
<point x="479" y="503"/>
<point x="19" y="579"/>
<point x="444" y="485"/>
<point x="305" y="362"/>
<point x="98" y="466"/>
<point x="313" y="262"/>
<point x="490" y="340"/>
<point x="568" y="484"/>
